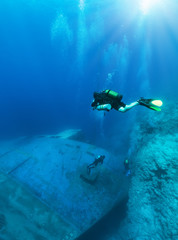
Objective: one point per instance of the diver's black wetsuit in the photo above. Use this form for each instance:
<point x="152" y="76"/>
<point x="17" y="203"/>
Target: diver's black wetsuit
<point x="99" y="159"/>
<point x="104" y="98"/>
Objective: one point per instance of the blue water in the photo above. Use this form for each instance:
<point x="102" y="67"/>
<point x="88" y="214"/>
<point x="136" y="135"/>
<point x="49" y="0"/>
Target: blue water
<point x="55" y="54"/>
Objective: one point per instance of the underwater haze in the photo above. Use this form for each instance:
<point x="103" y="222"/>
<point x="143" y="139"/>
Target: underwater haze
<point x="55" y="54"/>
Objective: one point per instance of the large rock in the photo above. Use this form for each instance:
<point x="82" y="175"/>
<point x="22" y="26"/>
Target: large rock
<point x="153" y="192"/>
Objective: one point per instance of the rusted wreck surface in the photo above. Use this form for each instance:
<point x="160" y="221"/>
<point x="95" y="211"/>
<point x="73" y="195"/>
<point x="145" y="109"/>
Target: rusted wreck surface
<point x="45" y="182"/>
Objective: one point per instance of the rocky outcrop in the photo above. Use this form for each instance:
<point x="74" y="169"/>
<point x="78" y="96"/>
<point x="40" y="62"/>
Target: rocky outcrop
<point x="153" y="193"/>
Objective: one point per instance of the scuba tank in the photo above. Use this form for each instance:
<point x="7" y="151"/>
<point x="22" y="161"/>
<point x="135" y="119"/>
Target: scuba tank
<point x="105" y="107"/>
<point x="113" y="94"/>
<point x="106" y="97"/>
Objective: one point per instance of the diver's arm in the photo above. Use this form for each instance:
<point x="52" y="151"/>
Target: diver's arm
<point x="128" y="107"/>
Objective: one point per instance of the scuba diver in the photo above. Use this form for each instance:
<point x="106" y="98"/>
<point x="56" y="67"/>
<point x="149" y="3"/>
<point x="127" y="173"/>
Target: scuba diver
<point x="127" y="168"/>
<point x="99" y="159"/>
<point x="108" y="99"/>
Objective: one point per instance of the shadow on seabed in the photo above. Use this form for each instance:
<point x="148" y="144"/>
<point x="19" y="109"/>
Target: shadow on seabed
<point x="108" y="225"/>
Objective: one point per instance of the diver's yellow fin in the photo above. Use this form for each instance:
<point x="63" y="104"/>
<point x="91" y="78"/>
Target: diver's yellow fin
<point x="153" y="104"/>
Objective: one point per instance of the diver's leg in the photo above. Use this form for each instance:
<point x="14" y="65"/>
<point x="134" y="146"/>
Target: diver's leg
<point x="91" y="165"/>
<point x="89" y="169"/>
<point x="105" y="107"/>
<point x="128" y="107"/>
